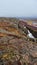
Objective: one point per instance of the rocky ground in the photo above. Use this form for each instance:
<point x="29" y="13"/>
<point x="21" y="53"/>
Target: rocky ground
<point x="15" y="47"/>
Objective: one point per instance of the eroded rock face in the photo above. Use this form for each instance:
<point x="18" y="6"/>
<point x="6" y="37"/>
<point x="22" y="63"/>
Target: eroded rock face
<point x="15" y="48"/>
<point x="31" y="27"/>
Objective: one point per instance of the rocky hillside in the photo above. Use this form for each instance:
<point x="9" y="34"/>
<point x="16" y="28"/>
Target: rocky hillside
<point x="15" y="47"/>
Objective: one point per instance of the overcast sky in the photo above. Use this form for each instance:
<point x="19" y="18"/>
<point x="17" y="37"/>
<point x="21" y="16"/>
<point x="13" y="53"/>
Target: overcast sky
<point x="14" y="8"/>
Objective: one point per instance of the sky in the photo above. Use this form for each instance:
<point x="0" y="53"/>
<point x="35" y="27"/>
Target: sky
<point x="18" y="8"/>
